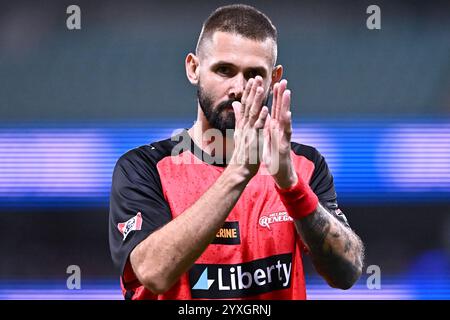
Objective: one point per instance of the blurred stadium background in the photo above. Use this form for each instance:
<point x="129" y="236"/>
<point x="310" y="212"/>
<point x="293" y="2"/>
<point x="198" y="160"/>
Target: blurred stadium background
<point x="376" y="103"/>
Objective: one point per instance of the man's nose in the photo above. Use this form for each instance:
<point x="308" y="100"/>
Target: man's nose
<point x="237" y="87"/>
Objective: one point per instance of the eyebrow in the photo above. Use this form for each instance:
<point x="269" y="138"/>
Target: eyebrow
<point x="261" y="70"/>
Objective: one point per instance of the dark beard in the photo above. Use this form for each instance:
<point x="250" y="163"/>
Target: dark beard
<point x="218" y="117"/>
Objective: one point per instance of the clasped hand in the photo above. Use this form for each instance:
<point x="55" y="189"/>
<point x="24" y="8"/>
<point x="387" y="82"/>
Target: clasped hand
<point x="265" y="138"/>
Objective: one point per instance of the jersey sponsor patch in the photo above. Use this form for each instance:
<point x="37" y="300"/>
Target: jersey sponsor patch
<point x="132" y="224"/>
<point x="222" y="281"/>
<point x="228" y="234"/>
<point x="276" y="217"/>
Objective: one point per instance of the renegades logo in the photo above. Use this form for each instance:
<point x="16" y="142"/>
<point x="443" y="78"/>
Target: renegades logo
<point x="266" y="221"/>
<point x="134" y="223"/>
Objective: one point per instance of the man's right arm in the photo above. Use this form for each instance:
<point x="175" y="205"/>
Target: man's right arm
<point x="160" y="259"/>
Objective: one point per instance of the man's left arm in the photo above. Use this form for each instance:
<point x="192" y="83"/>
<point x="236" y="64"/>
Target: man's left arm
<point x="336" y="251"/>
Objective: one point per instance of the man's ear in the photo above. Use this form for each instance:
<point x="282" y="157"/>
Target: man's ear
<point x="192" y="68"/>
<point x="277" y="73"/>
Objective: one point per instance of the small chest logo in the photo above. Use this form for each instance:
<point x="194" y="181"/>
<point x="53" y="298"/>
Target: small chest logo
<point x="134" y="223"/>
<point x="276" y="217"/>
<point x="228" y="234"/>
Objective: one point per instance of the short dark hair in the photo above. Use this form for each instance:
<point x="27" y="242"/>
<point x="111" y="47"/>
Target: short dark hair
<point x="239" y="19"/>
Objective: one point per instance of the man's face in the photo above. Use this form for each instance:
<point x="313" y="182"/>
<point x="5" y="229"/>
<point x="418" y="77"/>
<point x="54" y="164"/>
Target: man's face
<point x="227" y="62"/>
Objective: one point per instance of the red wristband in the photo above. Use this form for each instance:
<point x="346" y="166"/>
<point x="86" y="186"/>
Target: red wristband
<point x="299" y="200"/>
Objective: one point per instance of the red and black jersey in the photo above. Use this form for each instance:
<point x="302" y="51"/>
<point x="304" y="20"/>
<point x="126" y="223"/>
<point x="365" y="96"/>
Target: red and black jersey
<point x="256" y="254"/>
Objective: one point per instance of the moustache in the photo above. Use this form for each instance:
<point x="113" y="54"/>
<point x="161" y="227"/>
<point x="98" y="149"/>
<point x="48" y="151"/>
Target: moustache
<point x="228" y="103"/>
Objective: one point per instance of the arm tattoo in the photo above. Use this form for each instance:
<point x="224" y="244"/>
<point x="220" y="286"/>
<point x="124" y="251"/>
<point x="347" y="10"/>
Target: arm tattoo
<point x="336" y="251"/>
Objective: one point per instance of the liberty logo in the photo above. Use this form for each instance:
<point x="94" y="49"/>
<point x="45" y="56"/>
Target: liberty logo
<point x="218" y="281"/>
<point x="203" y="282"/>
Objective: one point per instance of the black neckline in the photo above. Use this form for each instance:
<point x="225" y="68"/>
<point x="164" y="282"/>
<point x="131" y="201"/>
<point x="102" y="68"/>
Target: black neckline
<point x="198" y="152"/>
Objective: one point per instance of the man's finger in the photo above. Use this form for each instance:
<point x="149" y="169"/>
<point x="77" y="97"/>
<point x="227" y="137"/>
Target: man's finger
<point x="255" y="109"/>
<point x="249" y="100"/>
<point x="261" y="120"/>
<point x="266" y="146"/>
<point x="237" y="107"/>
<point x="274" y="139"/>
<point x="281" y="89"/>
<point x="247" y="89"/>
<point x="276" y="86"/>
<point x="286" y="102"/>
<point x="288" y="125"/>
<point x="267" y="123"/>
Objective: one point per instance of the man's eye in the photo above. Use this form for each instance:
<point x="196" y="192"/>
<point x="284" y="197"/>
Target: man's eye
<point x="252" y="74"/>
<point x="223" y="70"/>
